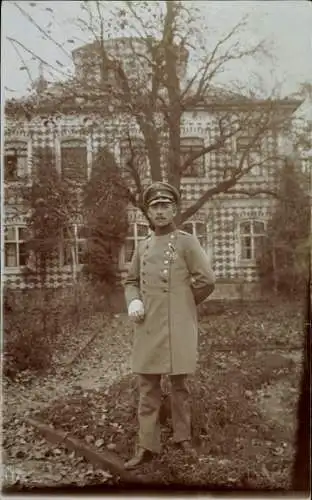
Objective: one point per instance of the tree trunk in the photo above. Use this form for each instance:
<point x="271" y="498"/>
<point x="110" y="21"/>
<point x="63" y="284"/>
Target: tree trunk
<point x="154" y="151"/>
<point x="174" y="175"/>
<point x="174" y="95"/>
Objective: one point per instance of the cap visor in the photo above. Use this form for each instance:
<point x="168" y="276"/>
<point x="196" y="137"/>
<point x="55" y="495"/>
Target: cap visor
<point x="161" y="200"/>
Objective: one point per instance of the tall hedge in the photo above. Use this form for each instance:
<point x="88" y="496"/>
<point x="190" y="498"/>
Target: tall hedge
<point x="105" y="204"/>
<point x="284" y="256"/>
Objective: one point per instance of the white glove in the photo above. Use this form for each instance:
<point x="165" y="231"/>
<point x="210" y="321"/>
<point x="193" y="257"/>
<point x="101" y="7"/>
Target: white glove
<point x="136" y="309"/>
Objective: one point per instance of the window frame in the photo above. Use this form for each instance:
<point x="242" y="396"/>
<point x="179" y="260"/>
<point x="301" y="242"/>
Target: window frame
<point x="194" y="224"/>
<point x="141" y="157"/>
<point x="47" y="153"/>
<point x="252" y="261"/>
<point x="257" y="171"/>
<point x="17" y="242"/>
<point x="190" y="172"/>
<point x="65" y="142"/>
<point x="17" y="144"/>
<point x="134" y="237"/>
<point x="72" y="241"/>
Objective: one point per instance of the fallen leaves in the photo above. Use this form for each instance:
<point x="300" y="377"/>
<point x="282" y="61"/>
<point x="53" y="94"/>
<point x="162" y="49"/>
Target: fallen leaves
<point x="89" y="439"/>
<point x="99" y="443"/>
<point x="242" y="394"/>
<point x="111" y="446"/>
<point x="102" y="362"/>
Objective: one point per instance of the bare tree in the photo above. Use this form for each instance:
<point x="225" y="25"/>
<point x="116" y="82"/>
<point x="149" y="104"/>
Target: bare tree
<point x="148" y="79"/>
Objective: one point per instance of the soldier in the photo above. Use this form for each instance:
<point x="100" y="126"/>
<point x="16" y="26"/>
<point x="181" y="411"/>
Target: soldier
<point x="170" y="274"/>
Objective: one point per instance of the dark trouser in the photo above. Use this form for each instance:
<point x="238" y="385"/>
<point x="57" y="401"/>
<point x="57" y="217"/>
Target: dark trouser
<point x="149" y="406"/>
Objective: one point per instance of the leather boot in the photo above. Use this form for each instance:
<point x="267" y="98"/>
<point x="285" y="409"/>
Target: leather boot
<point x="141" y="456"/>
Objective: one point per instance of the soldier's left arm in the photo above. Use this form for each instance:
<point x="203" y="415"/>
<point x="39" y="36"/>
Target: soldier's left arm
<point x="202" y="275"/>
<point x="132" y="281"/>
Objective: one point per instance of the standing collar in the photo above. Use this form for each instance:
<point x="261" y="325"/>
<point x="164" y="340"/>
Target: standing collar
<point x="161" y="231"/>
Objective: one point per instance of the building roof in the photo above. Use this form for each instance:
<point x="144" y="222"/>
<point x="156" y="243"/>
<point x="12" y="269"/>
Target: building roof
<point x="55" y="99"/>
<point x="89" y="47"/>
<point x="61" y="98"/>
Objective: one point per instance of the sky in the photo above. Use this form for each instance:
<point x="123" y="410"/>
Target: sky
<point x="285" y="25"/>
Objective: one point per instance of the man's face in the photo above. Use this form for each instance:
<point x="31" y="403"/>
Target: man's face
<point x="162" y="214"/>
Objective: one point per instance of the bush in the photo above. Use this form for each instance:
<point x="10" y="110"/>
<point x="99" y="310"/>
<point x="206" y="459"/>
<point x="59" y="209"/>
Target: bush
<point x="284" y="254"/>
<point x="30" y="330"/>
<point x="106" y="199"/>
<point x="40" y="323"/>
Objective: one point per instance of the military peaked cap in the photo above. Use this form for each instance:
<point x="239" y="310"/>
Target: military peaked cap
<point x="160" y="192"/>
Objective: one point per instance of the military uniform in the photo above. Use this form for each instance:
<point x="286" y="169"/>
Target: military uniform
<point x="170" y="274"/>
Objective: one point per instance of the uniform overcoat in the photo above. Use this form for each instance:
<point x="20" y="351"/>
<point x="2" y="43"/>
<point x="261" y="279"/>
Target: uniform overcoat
<point x="165" y="273"/>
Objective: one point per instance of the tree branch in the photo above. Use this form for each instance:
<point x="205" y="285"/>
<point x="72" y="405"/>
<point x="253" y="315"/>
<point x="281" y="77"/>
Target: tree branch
<point x="220" y="188"/>
<point x="42" y="31"/>
<point x="160" y="94"/>
<point x="132" y="169"/>
<point x="22" y="60"/>
<point x="36" y="56"/>
<point x="217" y="63"/>
<point x="208" y="149"/>
<point x="256" y="192"/>
<point x="138" y="18"/>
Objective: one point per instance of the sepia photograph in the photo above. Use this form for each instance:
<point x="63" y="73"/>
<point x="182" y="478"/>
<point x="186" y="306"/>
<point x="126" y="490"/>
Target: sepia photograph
<point x="156" y="247"/>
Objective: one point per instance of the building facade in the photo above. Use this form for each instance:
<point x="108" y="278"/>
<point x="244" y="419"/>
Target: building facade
<point x="228" y="226"/>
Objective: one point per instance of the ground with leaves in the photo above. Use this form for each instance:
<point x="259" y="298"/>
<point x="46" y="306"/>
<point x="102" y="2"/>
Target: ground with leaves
<point x="244" y="400"/>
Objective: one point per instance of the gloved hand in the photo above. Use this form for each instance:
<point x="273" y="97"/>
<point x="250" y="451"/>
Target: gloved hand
<point x="136" y="310"/>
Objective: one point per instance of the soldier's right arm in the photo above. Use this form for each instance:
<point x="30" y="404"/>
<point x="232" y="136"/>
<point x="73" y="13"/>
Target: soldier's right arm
<point x="203" y="278"/>
<point x="132" y="281"/>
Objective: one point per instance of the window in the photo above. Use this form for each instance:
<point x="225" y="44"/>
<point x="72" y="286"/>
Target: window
<point x="199" y="230"/>
<point x="243" y="141"/>
<point x="15" y="246"/>
<point x="42" y="159"/>
<point x="251" y="234"/>
<point x="15" y="161"/>
<point x="139" y="160"/>
<point x="74" y="164"/>
<point x="188" y="147"/>
<point x="137" y="232"/>
<point x="74" y="244"/>
<point x="254" y="153"/>
<point x="306" y="162"/>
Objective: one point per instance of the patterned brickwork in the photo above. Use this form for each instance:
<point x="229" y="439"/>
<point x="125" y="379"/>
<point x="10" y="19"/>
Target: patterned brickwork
<point x="225" y="220"/>
<point x="222" y="215"/>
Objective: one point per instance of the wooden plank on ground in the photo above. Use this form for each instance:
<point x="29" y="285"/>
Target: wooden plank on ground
<point x="105" y="460"/>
